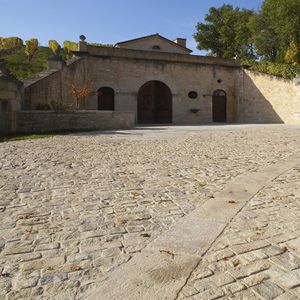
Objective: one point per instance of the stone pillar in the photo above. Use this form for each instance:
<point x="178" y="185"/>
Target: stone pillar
<point x="82" y="45"/>
<point x="11" y="97"/>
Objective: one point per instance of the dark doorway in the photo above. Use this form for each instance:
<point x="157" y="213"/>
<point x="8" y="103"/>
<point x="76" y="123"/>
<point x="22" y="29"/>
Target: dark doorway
<point x="106" y="99"/>
<point x="219" y="106"/>
<point x="154" y="103"/>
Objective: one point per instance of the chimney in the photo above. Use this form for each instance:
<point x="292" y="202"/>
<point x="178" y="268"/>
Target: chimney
<point x="180" y="42"/>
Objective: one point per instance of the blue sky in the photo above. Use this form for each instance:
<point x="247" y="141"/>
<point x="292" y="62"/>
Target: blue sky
<point x="106" y="21"/>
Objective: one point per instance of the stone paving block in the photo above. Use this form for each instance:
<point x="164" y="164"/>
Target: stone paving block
<point x="222" y="254"/>
<point x="222" y="279"/>
<point x="239" y="249"/>
<point x="48" y="246"/>
<point x="12" y="249"/>
<point x="285" y="261"/>
<point x="27" y="280"/>
<point x="273" y="250"/>
<point x="203" y="285"/>
<point x="28" y="257"/>
<point x="189" y="291"/>
<point x="250" y="269"/>
<point x="255" y="279"/>
<point x="267" y="290"/>
<point x="210" y="294"/>
<point x="294" y="244"/>
<point x="244" y="295"/>
<point x="43" y="263"/>
<point x="233" y="288"/>
<point x="289" y="296"/>
<point x="5" y="286"/>
<point x="203" y="273"/>
<point x="289" y="280"/>
<point x="78" y="257"/>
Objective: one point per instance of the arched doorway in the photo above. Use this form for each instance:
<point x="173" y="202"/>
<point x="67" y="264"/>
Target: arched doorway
<point x="219" y="104"/>
<point x="106" y="98"/>
<point x="154" y="103"/>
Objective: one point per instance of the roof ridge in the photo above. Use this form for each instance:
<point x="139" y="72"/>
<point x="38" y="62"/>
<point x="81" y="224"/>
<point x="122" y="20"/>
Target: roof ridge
<point x="152" y="35"/>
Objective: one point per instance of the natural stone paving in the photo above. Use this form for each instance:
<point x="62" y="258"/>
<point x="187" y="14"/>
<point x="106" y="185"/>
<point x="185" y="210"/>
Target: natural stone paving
<point x="258" y="255"/>
<point x="72" y="208"/>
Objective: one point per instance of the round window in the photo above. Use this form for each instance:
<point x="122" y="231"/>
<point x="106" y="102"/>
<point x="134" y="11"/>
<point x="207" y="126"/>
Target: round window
<point x="193" y="95"/>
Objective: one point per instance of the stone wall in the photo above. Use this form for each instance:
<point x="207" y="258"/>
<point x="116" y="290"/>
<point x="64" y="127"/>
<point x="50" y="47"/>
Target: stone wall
<point x="126" y="71"/>
<point x="52" y="88"/>
<point x="268" y="99"/>
<point x="126" y="77"/>
<point x="11" y="96"/>
<point x="54" y="121"/>
<point x="251" y="97"/>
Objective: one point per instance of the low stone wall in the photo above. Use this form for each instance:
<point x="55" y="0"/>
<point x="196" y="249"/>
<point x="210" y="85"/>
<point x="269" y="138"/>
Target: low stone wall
<point x="52" y="121"/>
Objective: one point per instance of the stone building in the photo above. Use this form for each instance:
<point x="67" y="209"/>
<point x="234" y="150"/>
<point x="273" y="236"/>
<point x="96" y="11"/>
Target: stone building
<point x="155" y="77"/>
<point x="162" y="82"/>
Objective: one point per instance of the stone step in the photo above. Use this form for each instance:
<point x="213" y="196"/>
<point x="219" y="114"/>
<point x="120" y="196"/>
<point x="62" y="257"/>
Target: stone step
<point x="37" y="77"/>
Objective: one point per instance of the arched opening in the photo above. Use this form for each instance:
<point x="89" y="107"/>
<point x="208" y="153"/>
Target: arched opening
<point x="154" y="103"/>
<point x="219" y="104"/>
<point x="106" y="98"/>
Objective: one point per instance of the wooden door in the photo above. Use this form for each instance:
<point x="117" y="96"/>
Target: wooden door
<point x="219" y="107"/>
<point x="106" y="99"/>
<point x="154" y="103"/>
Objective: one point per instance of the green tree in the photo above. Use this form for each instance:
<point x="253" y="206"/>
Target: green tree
<point x="31" y="48"/>
<point x="275" y="27"/>
<point x="225" y="32"/>
<point x="55" y="47"/>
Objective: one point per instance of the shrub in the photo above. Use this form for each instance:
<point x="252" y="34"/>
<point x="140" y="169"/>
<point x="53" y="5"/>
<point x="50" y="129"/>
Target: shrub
<point x="55" y="47"/>
<point x="10" y="43"/>
<point x="31" y="48"/>
<point x="292" y="56"/>
<point x="70" y="46"/>
<point x="281" y="70"/>
<point x="101" y="45"/>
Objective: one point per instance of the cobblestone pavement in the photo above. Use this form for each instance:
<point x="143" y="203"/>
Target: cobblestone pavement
<point x="73" y="208"/>
<point x="258" y="255"/>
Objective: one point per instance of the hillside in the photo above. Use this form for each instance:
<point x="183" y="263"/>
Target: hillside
<point x="18" y="64"/>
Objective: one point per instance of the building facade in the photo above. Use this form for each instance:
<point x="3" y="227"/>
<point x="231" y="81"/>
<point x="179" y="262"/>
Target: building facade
<point x="156" y="78"/>
<point x="161" y="82"/>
